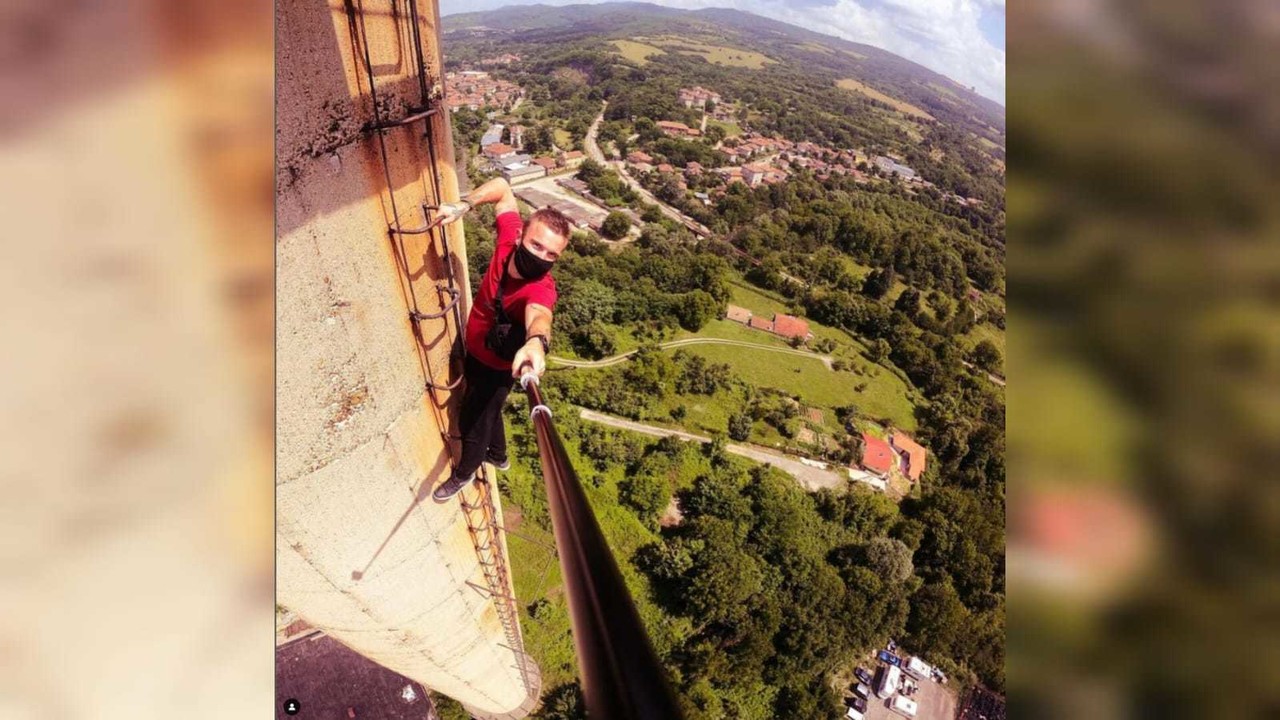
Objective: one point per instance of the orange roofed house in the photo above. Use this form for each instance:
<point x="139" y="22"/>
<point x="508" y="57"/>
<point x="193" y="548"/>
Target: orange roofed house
<point x="789" y="326"/>
<point x="877" y="456"/>
<point x="911" y="453"/>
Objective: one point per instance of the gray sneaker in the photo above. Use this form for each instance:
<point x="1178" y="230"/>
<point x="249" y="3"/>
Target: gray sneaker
<point x="450" y="487"/>
<point x="503" y="464"/>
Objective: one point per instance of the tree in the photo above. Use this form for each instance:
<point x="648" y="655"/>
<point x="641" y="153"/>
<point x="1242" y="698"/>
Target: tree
<point x="590" y="170"/>
<point x="616" y="225"/>
<point x="878" y="283"/>
<point x="696" y="309"/>
<point x="647" y="129"/>
<point x="890" y="559"/>
<point x="986" y="356"/>
<point x="908" y="303"/>
<point x="668" y="189"/>
<point x="879" y="350"/>
<point x="645" y="493"/>
<point x="539" y="140"/>
<point x="592" y="340"/>
<point x="740" y="426"/>
<point x="564" y="703"/>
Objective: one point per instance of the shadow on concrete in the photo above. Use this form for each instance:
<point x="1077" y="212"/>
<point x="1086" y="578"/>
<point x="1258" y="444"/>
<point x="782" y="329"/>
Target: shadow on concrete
<point x="423" y="492"/>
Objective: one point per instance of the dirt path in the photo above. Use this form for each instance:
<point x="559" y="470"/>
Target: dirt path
<point x="812" y="478"/>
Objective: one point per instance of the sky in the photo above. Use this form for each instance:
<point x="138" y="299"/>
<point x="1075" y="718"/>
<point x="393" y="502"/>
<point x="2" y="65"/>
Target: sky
<point x="962" y="39"/>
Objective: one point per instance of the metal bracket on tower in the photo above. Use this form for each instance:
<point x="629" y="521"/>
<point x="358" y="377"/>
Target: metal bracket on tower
<point x="414" y="116"/>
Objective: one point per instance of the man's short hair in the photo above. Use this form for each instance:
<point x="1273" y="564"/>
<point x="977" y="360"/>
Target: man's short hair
<point x="553" y="219"/>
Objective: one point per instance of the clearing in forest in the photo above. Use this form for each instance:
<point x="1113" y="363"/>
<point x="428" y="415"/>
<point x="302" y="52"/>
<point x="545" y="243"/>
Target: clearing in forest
<point x="900" y="105"/>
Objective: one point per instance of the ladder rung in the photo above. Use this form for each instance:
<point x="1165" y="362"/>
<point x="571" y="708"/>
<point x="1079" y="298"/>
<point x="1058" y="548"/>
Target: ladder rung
<point x="413" y="117"/>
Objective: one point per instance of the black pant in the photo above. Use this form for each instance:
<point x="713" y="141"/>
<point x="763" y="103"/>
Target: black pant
<point x="480" y="417"/>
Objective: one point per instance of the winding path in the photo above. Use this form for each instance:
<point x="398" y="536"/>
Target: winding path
<point x="812" y="475"/>
<point x="606" y="362"/>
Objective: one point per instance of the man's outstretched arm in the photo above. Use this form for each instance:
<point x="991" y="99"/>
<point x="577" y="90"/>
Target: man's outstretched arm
<point x="537" y="323"/>
<point x="496" y="191"/>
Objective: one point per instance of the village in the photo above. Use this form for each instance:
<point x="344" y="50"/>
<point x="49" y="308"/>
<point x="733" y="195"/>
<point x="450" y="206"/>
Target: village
<point x="752" y="159"/>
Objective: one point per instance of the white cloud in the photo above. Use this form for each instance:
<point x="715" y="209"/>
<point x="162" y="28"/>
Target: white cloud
<point x="942" y="35"/>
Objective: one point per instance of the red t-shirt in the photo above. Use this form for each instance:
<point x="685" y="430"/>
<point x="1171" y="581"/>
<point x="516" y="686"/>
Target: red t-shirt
<point x="516" y="294"/>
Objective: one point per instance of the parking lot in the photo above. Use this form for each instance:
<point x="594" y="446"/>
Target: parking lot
<point x="935" y="701"/>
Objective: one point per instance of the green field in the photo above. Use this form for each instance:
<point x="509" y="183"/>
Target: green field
<point x="985" y="331"/>
<point x="731" y="129"/>
<point x="563" y="139"/>
<point x="714" y="54"/>
<point x="815" y="47"/>
<point x="636" y="52"/>
<point x="887" y="393"/>
<point x="899" y="105"/>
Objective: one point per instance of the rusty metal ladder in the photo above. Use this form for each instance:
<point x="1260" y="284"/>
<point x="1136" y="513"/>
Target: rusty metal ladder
<point x="480" y="513"/>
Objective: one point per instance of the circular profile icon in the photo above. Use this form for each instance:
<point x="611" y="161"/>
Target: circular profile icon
<point x="291" y="707"/>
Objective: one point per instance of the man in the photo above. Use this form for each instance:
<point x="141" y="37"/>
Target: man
<point x="509" y="327"/>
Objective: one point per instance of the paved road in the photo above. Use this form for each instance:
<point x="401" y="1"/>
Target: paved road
<point x="606" y="362"/>
<point x="594" y="152"/>
<point x="593" y="149"/>
<point x="990" y="376"/>
<point x="811" y="478"/>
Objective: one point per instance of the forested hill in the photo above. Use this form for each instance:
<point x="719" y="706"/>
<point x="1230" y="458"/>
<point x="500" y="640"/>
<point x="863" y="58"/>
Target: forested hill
<point x="789" y="82"/>
<point x="940" y="96"/>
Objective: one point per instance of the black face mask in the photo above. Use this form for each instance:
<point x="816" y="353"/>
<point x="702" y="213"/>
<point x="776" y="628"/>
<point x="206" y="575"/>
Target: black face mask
<point x="530" y="266"/>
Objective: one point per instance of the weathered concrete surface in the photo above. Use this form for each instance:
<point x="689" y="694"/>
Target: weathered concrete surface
<point x="363" y="552"/>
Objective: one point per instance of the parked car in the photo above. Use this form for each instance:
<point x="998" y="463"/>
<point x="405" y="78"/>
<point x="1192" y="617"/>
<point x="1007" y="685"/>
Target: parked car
<point x="888" y="657"/>
<point x="890" y="682"/>
<point x="904" y="706"/>
<point x="854" y="714"/>
<point x="858" y="704"/>
<point x="863" y="675"/>
<point x="918" y="668"/>
<point x="939" y="676"/>
<point x="863" y="690"/>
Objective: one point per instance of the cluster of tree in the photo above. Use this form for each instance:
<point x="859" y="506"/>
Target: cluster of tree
<point x="606" y="185"/>
<point x="468" y="126"/>
<point x="563" y="86"/>
<point x="647" y="286"/>
<point x="877" y="226"/>
<point x="780" y="594"/>
<point x="680" y="152"/>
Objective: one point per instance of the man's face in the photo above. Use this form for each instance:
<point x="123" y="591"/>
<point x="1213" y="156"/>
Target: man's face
<point x="543" y="242"/>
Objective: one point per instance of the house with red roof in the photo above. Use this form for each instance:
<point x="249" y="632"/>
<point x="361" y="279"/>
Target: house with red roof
<point x="758" y="323"/>
<point x="498" y="150"/>
<point x="877" y="456"/>
<point x="789" y="326"/>
<point x="572" y="159"/>
<point x="912" y="455"/>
